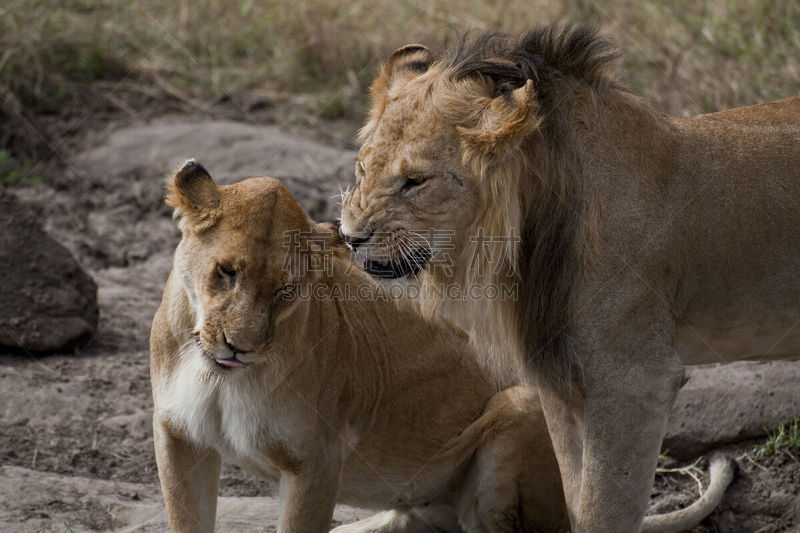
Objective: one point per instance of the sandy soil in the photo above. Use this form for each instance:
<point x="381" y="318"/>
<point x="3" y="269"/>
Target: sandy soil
<point x="75" y="436"/>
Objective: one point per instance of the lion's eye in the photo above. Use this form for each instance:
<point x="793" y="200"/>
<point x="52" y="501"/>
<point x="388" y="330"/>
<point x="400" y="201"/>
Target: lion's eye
<point x="412" y="182"/>
<point x="227" y="273"/>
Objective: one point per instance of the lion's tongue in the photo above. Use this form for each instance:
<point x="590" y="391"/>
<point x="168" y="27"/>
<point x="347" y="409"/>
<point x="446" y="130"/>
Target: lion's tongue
<point x="231" y="362"/>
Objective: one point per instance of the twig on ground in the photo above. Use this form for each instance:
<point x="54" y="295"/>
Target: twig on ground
<point x="747" y="456"/>
<point x="692" y="470"/>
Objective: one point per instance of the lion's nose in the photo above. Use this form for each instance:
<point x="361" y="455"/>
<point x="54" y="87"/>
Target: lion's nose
<point x="230" y="346"/>
<point x="353" y="241"/>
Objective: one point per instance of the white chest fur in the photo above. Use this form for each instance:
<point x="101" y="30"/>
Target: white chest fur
<point x="222" y="409"/>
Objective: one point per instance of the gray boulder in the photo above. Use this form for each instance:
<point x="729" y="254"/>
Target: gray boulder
<point x="730" y="403"/>
<point x="47" y="301"/>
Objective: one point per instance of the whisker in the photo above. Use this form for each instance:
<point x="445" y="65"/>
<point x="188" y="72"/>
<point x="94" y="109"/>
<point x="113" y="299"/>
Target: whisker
<point x="423" y="239"/>
<point x="343" y="194"/>
<point x="411" y="257"/>
<point x="189" y="343"/>
<point x="403" y="247"/>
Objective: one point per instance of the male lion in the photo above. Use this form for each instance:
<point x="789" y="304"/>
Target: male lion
<point x="638" y="242"/>
<point x="271" y="351"/>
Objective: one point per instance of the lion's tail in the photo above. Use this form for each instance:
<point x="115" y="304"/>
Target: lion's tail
<point x="721" y="470"/>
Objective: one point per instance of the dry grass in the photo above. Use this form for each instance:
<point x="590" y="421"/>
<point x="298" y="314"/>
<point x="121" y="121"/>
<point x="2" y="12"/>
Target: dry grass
<point x="64" y="56"/>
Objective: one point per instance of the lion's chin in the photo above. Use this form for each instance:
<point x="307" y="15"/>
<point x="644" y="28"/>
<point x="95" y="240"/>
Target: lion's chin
<point x="409" y="265"/>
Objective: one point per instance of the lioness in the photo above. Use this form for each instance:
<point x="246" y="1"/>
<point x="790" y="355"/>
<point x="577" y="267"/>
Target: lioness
<point x="638" y="242"/>
<point x="269" y="350"/>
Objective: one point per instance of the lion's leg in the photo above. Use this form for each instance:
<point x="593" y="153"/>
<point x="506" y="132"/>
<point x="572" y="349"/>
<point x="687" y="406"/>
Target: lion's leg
<point x="564" y="417"/>
<point x="490" y="500"/>
<point x="430" y="519"/>
<point x="189" y="481"/>
<point x="307" y="497"/>
<point x="517" y="485"/>
<point x="622" y="432"/>
<point x="619" y="463"/>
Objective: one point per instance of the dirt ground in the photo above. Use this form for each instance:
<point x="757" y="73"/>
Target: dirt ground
<point x="75" y="435"/>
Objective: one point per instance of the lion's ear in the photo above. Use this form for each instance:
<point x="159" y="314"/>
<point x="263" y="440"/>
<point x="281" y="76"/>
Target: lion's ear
<point x="505" y="121"/>
<point x="405" y="63"/>
<point x="192" y="192"/>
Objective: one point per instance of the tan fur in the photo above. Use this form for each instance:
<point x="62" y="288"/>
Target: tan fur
<point x="352" y="400"/>
<point x="646" y="241"/>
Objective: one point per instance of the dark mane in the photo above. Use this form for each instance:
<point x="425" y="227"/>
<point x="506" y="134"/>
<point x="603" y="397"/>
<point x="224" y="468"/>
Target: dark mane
<point x="556" y="228"/>
<point x="543" y="55"/>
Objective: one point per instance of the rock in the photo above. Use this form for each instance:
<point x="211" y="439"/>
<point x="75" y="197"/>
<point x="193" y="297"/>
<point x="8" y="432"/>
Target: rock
<point x="48" y="301"/>
<point x="230" y="151"/>
<point x="729" y="403"/>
